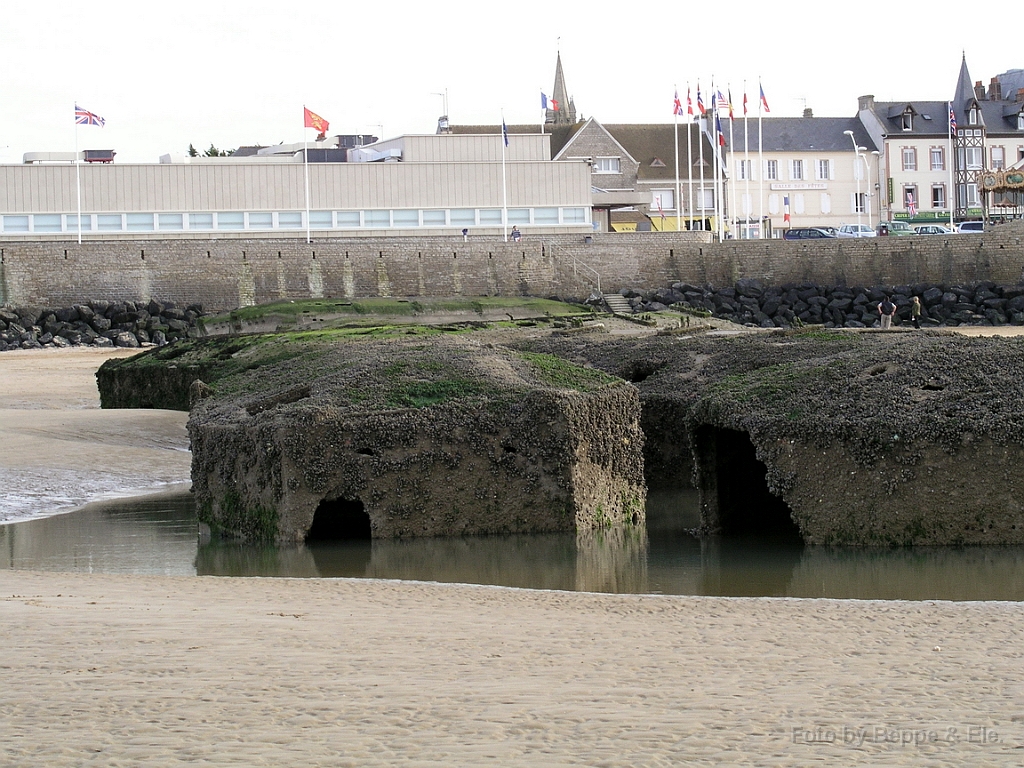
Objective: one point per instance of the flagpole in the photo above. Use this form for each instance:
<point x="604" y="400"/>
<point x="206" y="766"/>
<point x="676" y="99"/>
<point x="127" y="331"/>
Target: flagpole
<point x="676" y="107"/>
<point x="78" y="179"/>
<point x="746" y="163"/>
<point x="504" y="186"/>
<point x="732" y="187"/>
<point x="689" y="150"/>
<point x="760" y="163"/>
<point x="952" y="189"/>
<point x="700" y="147"/>
<point x="543" y="114"/>
<point x="305" y="168"/>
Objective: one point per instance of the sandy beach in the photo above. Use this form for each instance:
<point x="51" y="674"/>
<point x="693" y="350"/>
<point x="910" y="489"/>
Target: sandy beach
<point x="154" y="671"/>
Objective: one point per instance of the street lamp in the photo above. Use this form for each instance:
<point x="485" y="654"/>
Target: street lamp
<point x="856" y="175"/>
<point x="877" y="155"/>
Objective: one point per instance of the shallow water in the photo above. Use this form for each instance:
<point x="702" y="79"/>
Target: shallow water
<point x="160" y="535"/>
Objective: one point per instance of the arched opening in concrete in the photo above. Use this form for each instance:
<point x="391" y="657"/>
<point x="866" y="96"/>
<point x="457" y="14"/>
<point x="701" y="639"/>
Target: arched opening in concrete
<point x="339" y="520"/>
<point x="734" y="491"/>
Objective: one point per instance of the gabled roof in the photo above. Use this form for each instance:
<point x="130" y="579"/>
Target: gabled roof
<point x="801" y="134"/>
<point x="653" y="146"/>
<point x="930" y="117"/>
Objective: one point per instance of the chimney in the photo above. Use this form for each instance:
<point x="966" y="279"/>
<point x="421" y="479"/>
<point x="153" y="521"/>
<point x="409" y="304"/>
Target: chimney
<point x="866" y="103"/>
<point x="979" y="90"/>
<point x="995" y="91"/>
<point x="1020" y="95"/>
<point x="808" y="112"/>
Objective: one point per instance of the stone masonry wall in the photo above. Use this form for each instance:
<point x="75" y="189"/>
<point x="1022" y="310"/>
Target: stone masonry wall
<point x="223" y="274"/>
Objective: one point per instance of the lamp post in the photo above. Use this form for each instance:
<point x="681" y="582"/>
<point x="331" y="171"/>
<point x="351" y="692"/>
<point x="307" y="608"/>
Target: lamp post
<point x="856" y="175"/>
<point x="877" y="154"/>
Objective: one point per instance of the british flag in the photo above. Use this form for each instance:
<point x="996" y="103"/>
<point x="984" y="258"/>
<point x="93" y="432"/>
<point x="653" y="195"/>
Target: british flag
<point x="85" y="117"/>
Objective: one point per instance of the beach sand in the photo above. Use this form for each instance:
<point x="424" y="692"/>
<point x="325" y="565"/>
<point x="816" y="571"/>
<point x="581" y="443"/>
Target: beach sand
<point x="154" y="671"/>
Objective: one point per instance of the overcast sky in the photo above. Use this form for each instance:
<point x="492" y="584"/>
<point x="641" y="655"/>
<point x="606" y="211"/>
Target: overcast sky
<point x="232" y="73"/>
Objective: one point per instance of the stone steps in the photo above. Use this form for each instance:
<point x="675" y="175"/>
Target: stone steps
<point x="617" y="304"/>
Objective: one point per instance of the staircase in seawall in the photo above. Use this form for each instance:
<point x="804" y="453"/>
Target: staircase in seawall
<point x="617" y="304"/>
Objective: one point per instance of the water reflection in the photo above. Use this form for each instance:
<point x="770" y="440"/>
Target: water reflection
<point x="159" y="535"/>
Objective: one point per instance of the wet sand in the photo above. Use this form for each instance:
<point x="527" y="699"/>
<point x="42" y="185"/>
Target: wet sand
<point x="152" y="671"/>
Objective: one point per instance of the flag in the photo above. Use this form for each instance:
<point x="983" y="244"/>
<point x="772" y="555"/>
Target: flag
<point x="952" y="119"/>
<point x="721" y="100"/>
<point x="718" y="130"/>
<point x="677" y="106"/>
<point x="700" y="101"/>
<point x="785" y="209"/>
<point x="315" y="122"/>
<point x="764" y="101"/>
<point x="689" y="102"/>
<point x="85" y="117"/>
<point x="911" y="205"/>
<point x="731" y="116"/>
<point x="545" y="101"/>
<point x="504" y="131"/>
<point x="744" y="101"/>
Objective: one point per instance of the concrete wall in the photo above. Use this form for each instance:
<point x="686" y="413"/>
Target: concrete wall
<point x="226" y="273"/>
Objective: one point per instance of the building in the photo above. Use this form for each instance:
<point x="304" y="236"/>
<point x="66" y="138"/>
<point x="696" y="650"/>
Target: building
<point x="929" y="169"/>
<point x="410" y="185"/>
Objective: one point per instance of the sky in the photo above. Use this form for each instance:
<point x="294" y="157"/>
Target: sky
<point x="229" y="73"/>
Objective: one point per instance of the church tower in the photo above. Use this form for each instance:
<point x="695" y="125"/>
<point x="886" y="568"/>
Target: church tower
<point x="566" y="112"/>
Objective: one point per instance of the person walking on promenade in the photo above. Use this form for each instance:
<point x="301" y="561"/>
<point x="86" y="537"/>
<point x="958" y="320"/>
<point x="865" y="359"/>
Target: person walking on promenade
<point x="886" y="309"/>
<point x="915" y="312"/>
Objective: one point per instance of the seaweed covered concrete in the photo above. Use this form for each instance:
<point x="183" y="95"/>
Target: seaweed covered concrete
<point x="396" y="438"/>
<point x="868" y="438"/>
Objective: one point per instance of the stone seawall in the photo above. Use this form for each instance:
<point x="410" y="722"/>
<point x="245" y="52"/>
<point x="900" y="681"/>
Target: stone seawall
<point x="224" y="274"/>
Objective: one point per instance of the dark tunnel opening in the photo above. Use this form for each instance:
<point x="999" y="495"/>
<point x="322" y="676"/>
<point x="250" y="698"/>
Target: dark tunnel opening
<point x="735" y="489"/>
<point x="340" y="520"/>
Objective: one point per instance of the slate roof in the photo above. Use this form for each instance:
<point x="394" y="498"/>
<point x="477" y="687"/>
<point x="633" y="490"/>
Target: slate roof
<point x="802" y="134"/>
<point x="652" y="145"/>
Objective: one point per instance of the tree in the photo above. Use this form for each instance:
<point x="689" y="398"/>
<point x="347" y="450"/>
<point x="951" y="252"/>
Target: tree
<point x="192" y="152"/>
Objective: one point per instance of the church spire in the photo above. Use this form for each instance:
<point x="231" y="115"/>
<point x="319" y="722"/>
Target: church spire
<point x="566" y="112"/>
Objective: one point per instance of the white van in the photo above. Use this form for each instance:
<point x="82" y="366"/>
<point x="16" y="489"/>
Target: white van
<point x="971" y="226"/>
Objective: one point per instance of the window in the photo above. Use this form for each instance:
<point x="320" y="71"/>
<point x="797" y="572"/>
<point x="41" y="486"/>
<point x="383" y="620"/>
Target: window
<point x="968" y="196"/>
<point x="771" y="170"/>
<point x="15" y="223"/>
<point x="705" y="199"/>
<point x="998" y="158"/>
<point x="405" y="217"/>
<point x="938" y="159"/>
<point x="574" y="215"/>
<point x="1020" y="120"/>
<point x="910" y="199"/>
<point x="375" y="218"/>
<point x="71" y="223"/>
<point x="320" y="220"/>
<point x="974" y="158"/>
<point x="662" y="200"/>
<point x="518" y="216"/>
<point x="289" y="220"/>
<point x="743" y="170"/>
<point x="433" y="218"/>
<point x="137" y="222"/>
<point x="261" y="220"/>
<point x="545" y="216"/>
<point x="111" y="222"/>
<point x="824" y="170"/>
<point x="200" y="221"/>
<point x="972" y="116"/>
<point x="908" y="120"/>
<point x="826" y="203"/>
<point x="462" y="217"/>
<point x="350" y="219"/>
<point x="606" y="165"/>
<point x="796" y="170"/>
<point x="170" y="221"/>
<point x="860" y="202"/>
<point x="909" y="159"/>
<point x="938" y="196"/>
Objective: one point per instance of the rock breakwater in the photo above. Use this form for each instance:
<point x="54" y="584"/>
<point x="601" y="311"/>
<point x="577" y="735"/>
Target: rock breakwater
<point x="751" y="302"/>
<point x="98" y="323"/>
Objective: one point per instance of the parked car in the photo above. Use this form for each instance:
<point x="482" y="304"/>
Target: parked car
<point x="933" y="229"/>
<point x="806" y="233"/>
<point x="898" y="228"/>
<point x="971" y="226"/>
<point x="855" y="230"/>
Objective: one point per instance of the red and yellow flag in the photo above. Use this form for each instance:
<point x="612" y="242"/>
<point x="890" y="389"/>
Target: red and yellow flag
<point x="314" y="121"/>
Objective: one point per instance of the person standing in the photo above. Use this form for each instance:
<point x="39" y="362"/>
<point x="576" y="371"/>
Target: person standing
<point x="886" y="309"/>
<point x="915" y="312"/>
